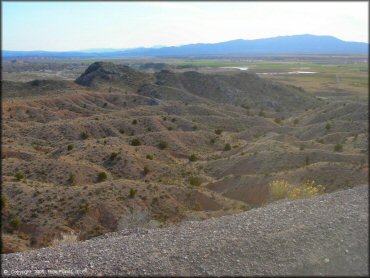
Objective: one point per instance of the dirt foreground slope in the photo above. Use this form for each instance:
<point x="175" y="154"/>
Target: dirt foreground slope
<point x="326" y="235"/>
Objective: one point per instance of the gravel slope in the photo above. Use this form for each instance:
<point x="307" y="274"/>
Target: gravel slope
<point x="326" y="235"/>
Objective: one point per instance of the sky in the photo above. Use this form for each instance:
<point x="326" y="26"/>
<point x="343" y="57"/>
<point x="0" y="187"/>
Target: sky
<point x="66" y="26"/>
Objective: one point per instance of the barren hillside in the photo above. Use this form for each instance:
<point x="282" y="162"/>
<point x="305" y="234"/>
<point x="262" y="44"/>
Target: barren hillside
<point x="122" y="148"/>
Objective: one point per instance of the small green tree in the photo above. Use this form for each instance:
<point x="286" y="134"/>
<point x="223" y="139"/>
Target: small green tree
<point x="15" y="222"/>
<point x="132" y="193"/>
<point x="227" y="147"/>
<point x="218" y="131"/>
<point x="278" y="121"/>
<point x="135" y="142"/>
<point x="328" y="126"/>
<point x="134" y="122"/>
<point x="338" y="147"/>
<point x="18" y="176"/>
<point x="162" y="145"/>
<point x="72" y="179"/>
<point x="149" y="156"/>
<point x="146" y="170"/>
<point x="84" y="135"/>
<point x="70" y="147"/>
<point x="296" y="121"/>
<point x="113" y="156"/>
<point x="102" y="176"/>
<point x="195" y="181"/>
<point x="193" y="157"/>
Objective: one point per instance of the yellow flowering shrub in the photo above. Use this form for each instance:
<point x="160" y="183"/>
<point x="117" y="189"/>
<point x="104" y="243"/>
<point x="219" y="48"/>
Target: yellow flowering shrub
<point x="281" y="189"/>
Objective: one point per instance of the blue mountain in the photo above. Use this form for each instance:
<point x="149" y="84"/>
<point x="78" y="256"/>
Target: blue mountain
<point x="297" y="44"/>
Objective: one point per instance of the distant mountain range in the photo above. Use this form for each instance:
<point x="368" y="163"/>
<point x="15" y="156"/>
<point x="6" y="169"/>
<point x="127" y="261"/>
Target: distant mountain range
<point x="297" y="44"/>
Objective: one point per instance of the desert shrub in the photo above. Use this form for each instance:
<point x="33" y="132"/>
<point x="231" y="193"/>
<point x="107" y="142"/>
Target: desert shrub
<point x="15" y="222"/>
<point x="281" y="189"/>
<point x="328" y="126"/>
<point x="149" y="156"/>
<point x="134" y="122"/>
<point x="278" y="120"/>
<point x="135" y="142"/>
<point x="301" y="147"/>
<point x="307" y="189"/>
<point x="338" y="147"/>
<point x="296" y="121"/>
<point x="121" y="131"/>
<point x="218" y="131"/>
<point x="162" y="145"/>
<point x="70" y="147"/>
<point x="307" y="160"/>
<point x="113" y="156"/>
<point x="262" y="113"/>
<point x="132" y="193"/>
<point x="84" y="207"/>
<point x="84" y="135"/>
<point x="72" y="179"/>
<point x="146" y="170"/>
<point x="227" y="147"/>
<point x="212" y="141"/>
<point x="65" y="238"/>
<point x="18" y="176"/>
<point x="102" y="176"/>
<point x="193" y="157"/>
<point x="4" y="202"/>
<point x="173" y="120"/>
<point x="170" y="128"/>
<point x="194" y="127"/>
<point x="195" y="181"/>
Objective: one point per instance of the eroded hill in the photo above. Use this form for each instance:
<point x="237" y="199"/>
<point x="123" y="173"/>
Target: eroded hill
<point x="120" y="146"/>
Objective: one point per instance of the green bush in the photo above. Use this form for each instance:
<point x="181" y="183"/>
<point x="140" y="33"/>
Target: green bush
<point x="262" y="114"/>
<point x="149" y="156"/>
<point x="162" y="145"/>
<point x="338" y="147"/>
<point x="193" y="157"/>
<point x="15" y="222"/>
<point x="70" y="147"/>
<point x="135" y="142"/>
<point x="218" y="131"/>
<point x="18" y="176"/>
<point x="102" y="176"/>
<point x="84" y="135"/>
<point x="113" y="156"/>
<point x="296" y="121"/>
<point x="278" y="120"/>
<point x="194" y="127"/>
<point x="72" y="179"/>
<point x="328" y="126"/>
<point x="134" y="122"/>
<point x="227" y="147"/>
<point x="195" y="181"/>
<point x="146" y="170"/>
<point x="4" y="201"/>
<point x="132" y="193"/>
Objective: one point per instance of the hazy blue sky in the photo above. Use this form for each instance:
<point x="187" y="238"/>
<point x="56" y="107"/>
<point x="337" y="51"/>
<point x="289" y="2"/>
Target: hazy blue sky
<point x="83" y="25"/>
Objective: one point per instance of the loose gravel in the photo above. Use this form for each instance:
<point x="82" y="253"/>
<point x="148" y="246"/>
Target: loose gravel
<point x="325" y="235"/>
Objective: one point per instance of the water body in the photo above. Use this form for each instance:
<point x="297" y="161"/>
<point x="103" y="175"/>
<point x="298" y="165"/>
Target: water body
<point x="290" y="72"/>
<point x="239" y="68"/>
